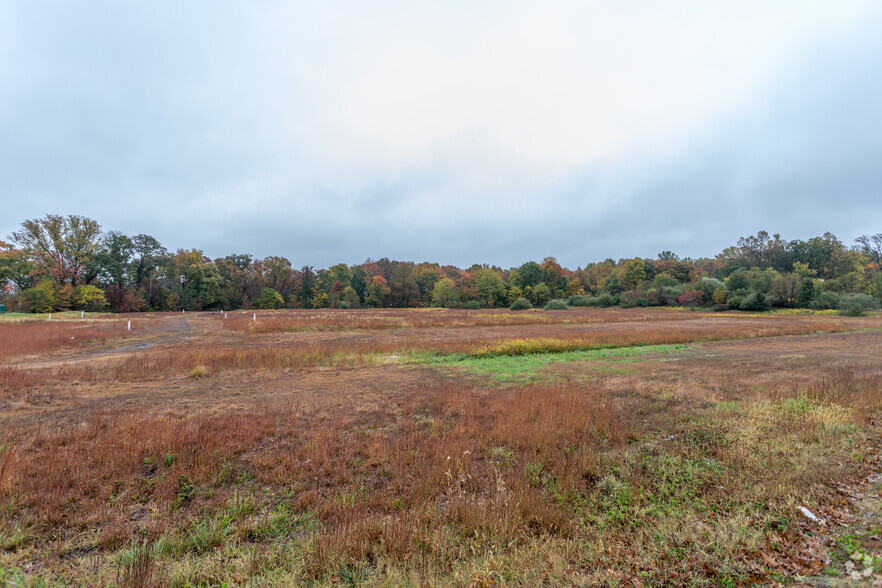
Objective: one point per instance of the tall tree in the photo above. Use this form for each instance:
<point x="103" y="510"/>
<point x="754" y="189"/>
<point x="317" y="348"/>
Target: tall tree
<point x="278" y="274"/>
<point x="307" y="285"/>
<point x="111" y="261"/>
<point x="359" y="282"/>
<point x="15" y="267"/>
<point x="60" y="246"/>
<point x="405" y="291"/>
<point x="491" y="288"/>
<point x="530" y="274"/>
<point x="871" y="246"/>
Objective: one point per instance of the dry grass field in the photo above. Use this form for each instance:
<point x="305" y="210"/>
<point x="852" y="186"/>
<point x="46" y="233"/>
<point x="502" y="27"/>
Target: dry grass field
<point x="644" y="447"/>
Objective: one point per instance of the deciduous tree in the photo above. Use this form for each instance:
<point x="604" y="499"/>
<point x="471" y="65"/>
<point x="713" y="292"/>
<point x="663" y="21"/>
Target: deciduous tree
<point x="60" y="246"/>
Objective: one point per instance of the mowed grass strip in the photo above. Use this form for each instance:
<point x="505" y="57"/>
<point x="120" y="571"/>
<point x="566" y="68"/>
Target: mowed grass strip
<point x="528" y="367"/>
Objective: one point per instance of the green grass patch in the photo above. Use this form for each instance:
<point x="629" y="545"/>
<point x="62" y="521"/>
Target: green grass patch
<point x="531" y="367"/>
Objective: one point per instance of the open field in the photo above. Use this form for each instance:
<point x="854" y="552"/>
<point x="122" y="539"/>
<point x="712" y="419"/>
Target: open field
<point x="436" y="447"/>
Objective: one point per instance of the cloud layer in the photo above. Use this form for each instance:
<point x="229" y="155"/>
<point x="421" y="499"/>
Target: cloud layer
<point x="453" y="133"/>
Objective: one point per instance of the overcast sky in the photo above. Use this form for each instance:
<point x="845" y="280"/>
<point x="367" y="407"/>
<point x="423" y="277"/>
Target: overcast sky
<point x="460" y="131"/>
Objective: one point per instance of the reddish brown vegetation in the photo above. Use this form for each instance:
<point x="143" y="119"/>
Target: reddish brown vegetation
<point x="32" y="337"/>
<point x="620" y="468"/>
<point x="333" y="320"/>
<point x="437" y="462"/>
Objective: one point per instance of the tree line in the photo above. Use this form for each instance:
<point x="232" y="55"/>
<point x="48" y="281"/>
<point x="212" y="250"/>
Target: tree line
<point x="60" y="263"/>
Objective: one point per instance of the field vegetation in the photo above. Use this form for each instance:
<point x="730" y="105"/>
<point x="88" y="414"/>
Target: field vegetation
<point x="446" y="447"/>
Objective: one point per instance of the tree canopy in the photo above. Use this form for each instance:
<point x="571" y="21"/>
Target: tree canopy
<point x="58" y="262"/>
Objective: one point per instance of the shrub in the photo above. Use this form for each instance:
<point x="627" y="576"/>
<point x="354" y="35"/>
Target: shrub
<point x="857" y="304"/>
<point x="521" y="304"/>
<point x="734" y="298"/>
<point x="40" y="298"/>
<point x="579" y="300"/>
<point x="603" y="300"/>
<point x="557" y="304"/>
<point x="756" y="301"/>
<point x="692" y="298"/>
<point x="709" y="285"/>
<point x="721" y="307"/>
<point x="826" y="301"/>
<point x="670" y="294"/>
<point x="91" y="298"/>
<point x="123" y="301"/>
<point x="633" y="299"/>
<point x="473" y="305"/>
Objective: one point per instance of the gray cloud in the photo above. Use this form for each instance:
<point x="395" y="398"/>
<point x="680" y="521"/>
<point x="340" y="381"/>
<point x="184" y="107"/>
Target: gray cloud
<point x="210" y="129"/>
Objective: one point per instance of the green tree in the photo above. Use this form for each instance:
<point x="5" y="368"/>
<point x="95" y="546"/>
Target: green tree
<point x="529" y="274"/>
<point x="785" y="290"/>
<point x="426" y="276"/>
<point x="147" y="253"/>
<point x="341" y="273"/>
<point x="632" y="274"/>
<point x="307" y="285"/>
<point x="15" y="267"/>
<point x="350" y="297"/>
<point x="203" y="281"/>
<point x="112" y="260"/>
<point x="540" y="295"/>
<point x="807" y="291"/>
<point x="444" y="294"/>
<point x="268" y="299"/>
<point x="42" y="297"/>
<point x="826" y="255"/>
<point x="491" y="288"/>
<point x="359" y="283"/>
<point x="612" y="283"/>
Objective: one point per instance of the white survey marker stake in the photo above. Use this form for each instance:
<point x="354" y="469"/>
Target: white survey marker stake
<point x="130" y="325"/>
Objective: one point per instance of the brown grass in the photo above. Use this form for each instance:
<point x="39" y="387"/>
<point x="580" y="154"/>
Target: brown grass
<point x="32" y="337"/>
<point x="282" y="321"/>
<point x="631" y="479"/>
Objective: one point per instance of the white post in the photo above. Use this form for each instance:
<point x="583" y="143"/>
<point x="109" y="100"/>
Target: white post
<point x="130" y="325"/>
<point x="225" y="316"/>
<point x="50" y="316"/>
<point x="81" y="314"/>
<point x="255" y="317"/>
<point x="182" y="311"/>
